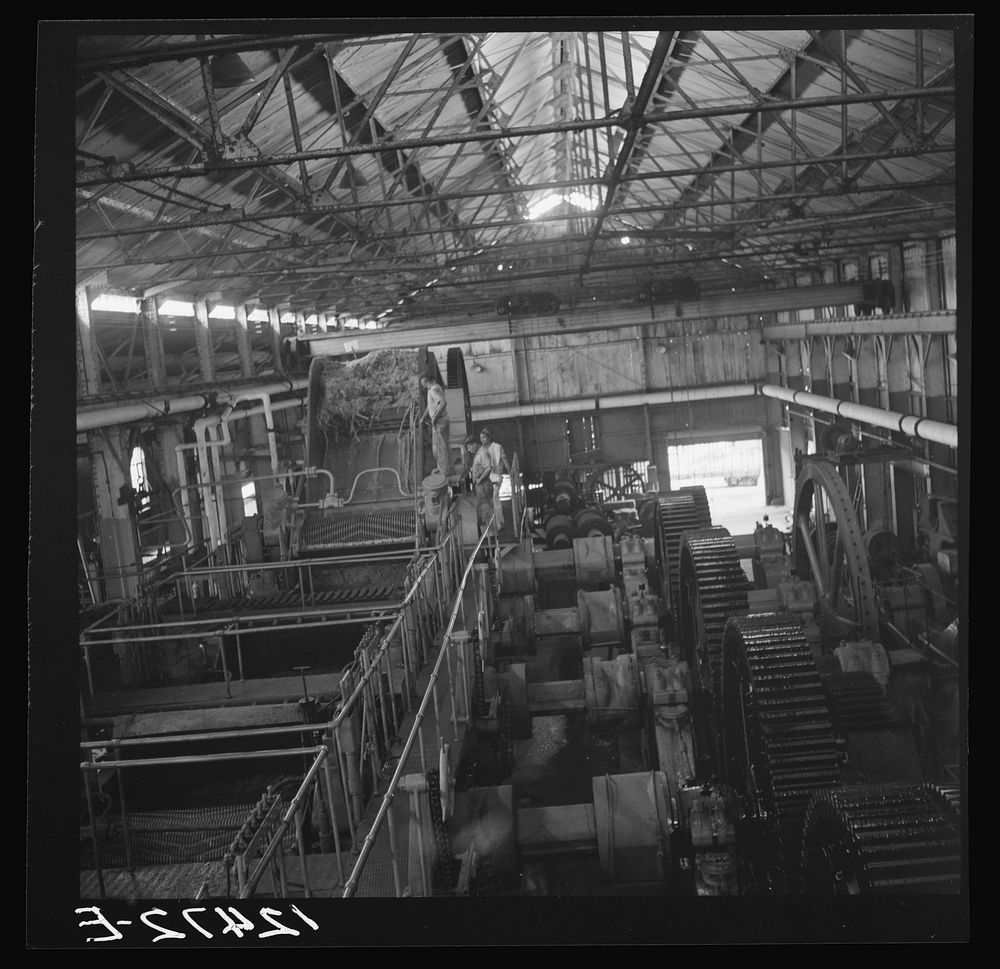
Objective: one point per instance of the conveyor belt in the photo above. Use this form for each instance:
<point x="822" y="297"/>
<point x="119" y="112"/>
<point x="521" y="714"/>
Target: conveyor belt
<point x="352" y="530"/>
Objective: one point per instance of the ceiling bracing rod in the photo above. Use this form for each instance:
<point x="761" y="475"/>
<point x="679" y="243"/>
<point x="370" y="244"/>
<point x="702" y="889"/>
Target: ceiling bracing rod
<point x="100" y="174"/>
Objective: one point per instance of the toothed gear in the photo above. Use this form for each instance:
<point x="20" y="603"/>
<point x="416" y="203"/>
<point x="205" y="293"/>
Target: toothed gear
<point x="677" y="512"/>
<point x="881" y="839"/>
<point x="713" y="588"/>
<point x="779" y="744"/>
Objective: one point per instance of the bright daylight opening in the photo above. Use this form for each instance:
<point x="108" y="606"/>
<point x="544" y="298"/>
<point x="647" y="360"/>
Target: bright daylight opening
<point x="576" y="199"/>
<point x="110" y="303"/>
<point x="138" y="474"/>
<point x="732" y="474"/>
<point x="175" y="307"/>
<point x="249" y="492"/>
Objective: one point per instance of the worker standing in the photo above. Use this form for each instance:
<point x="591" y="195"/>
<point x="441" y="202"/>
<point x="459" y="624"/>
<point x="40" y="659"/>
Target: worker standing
<point x="488" y="468"/>
<point x="436" y="412"/>
<point x="468" y="457"/>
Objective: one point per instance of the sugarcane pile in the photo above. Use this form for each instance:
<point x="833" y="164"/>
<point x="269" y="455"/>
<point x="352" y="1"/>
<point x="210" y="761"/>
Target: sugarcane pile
<point x="360" y="393"/>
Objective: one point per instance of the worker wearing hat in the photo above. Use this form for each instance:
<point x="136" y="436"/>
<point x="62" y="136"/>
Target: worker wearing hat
<point x="488" y="468"/>
<point x="436" y="412"/>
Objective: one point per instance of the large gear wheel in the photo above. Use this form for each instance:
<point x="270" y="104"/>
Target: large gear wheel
<point x="829" y="547"/>
<point x="885" y="838"/>
<point x="712" y="588"/>
<point x="677" y="512"/>
<point x="778" y="741"/>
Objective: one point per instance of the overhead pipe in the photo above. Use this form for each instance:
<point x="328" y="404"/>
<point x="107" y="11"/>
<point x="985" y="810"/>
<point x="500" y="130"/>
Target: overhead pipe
<point x="909" y="424"/>
<point x="91" y="418"/>
<point x="500" y="412"/>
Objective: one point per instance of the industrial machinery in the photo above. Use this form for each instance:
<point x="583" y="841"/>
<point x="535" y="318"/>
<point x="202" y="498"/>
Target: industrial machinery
<point x="692" y="741"/>
<point x="363" y="430"/>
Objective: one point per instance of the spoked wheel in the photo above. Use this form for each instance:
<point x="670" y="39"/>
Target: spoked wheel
<point x="778" y="742"/>
<point x="885" y="838"/>
<point x="829" y="548"/>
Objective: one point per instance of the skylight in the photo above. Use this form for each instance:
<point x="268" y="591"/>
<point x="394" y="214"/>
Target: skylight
<point x="109" y="303"/>
<point x="174" y="307"/>
<point x="222" y="312"/>
<point x="577" y="199"/>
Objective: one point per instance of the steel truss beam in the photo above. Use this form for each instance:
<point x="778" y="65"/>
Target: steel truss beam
<point x="99" y="175"/>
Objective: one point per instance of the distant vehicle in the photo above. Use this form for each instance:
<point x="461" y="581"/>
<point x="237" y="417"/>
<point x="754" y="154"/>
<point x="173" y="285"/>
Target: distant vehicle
<point x="520" y="304"/>
<point x="742" y="480"/>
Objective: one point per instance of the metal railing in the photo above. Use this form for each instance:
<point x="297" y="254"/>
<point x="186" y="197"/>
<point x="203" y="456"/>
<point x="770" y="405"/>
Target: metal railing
<point x="408" y="635"/>
<point x="378" y="686"/>
<point x="117" y="631"/>
<point x="416" y="734"/>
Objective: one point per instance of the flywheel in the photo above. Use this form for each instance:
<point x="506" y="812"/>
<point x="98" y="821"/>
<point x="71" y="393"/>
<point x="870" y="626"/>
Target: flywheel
<point x="829" y="548"/>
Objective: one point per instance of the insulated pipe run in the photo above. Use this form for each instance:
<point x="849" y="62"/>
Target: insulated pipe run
<point x="91" y="419"/>
<point x="611" y="402"/>
<point x="921" y="427"/>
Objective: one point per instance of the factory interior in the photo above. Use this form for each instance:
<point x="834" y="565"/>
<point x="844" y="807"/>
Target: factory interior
<point x="696" y="642"/>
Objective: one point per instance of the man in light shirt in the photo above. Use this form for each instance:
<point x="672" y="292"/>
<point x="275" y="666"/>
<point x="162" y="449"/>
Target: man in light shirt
<point x="436" y="412"/>
<point x="488" y="468"/>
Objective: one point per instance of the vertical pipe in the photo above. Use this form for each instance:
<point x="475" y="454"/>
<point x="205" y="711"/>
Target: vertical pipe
<point x="331" y="807"/>
<point x="386" y="734"/>
<point x="405" y="639"/>
<point x="349" y="807"/>
<point x="423" y="754"/>
<point x="446" y="646"/>
<point x="239" y="650"/>
<point x="393" y="851"/>
<point x="392" y="693"/>
<point x="437" y="711"/>
<point x="424" y="881"/>
<point x="90" y="674"/>
<point x="302" y="852"/>
<point x="437" y="596"/>
<point x="125" y="832"/>
<point x="93" y="831"/>
<point x="282" y="873"/>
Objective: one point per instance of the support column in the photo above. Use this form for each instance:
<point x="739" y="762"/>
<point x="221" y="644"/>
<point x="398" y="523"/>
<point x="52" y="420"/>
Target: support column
<point x="152" y="341"/>
<point x="88" y="370"/>
<point x="274" y="319"/>
<point x="203" y="341"/>
<point x="950" y="272"/>
<point x="916" y="293"/>
<point x="243" y="341"/>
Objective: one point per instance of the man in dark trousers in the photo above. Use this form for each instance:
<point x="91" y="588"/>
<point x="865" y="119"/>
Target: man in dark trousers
<point x="436" y="412"/>
<point x="488" y="468"/>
